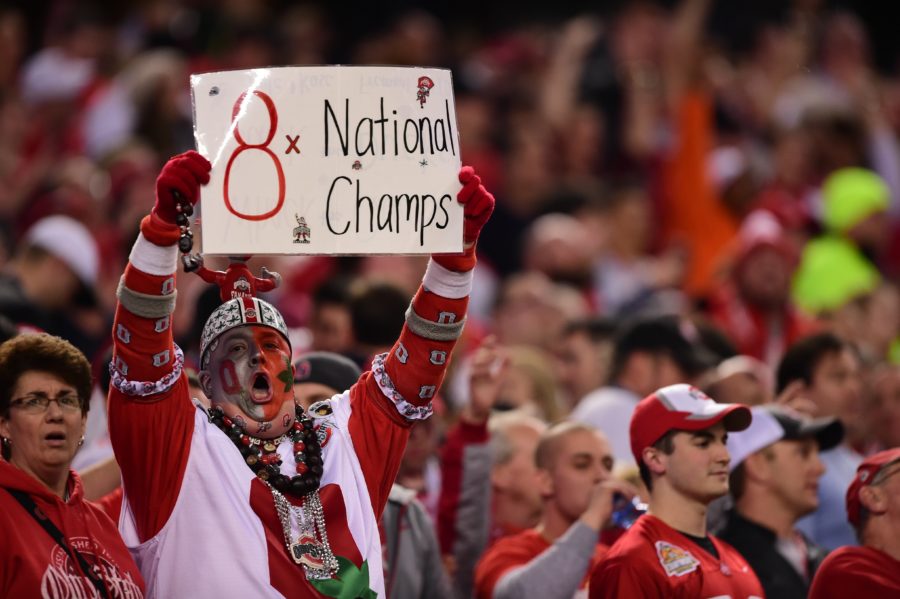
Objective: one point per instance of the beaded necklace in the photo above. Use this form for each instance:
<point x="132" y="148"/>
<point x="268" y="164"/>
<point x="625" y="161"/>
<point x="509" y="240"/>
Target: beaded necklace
<point x="261" y="456"/>
<point x="310" y="548"/>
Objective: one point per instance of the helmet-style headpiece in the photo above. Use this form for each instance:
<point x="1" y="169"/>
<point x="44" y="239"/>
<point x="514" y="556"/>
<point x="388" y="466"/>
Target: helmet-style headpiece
<point x="235" y="313"/>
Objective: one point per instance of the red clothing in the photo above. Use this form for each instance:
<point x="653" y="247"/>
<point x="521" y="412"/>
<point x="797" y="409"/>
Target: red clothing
<point x="857" y="572"/>
<point x="793" y="207"/>
<point x="164" y="447"/>
<point x="514" y="551"/>
<point x="32" y="564"/>
<point x="755" y="334"/>
<point x="653" y="559"/>
<point x="111" y="503"/>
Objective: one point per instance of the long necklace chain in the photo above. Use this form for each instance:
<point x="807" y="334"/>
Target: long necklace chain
<point x="315" y="556"/>
<point x="311" y="549"/>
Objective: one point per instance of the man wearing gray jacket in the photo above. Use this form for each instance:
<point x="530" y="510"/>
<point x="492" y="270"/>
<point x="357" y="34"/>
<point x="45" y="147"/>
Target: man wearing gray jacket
<point x="413" y="564"/>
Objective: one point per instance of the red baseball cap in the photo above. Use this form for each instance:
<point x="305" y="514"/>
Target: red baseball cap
<point x="865" y="474"/>
<point x="681" y="407"/>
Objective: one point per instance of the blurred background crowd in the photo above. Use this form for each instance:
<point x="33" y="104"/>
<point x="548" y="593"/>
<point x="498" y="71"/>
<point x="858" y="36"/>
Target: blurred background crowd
<point x="684" y="191"/>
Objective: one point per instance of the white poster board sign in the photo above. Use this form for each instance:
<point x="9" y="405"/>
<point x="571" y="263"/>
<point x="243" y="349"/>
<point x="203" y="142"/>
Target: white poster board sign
<point x="329" y="160"/>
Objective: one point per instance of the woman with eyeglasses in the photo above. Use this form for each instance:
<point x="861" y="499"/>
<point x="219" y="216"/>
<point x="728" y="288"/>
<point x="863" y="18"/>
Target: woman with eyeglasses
<point x="54" y="543"/>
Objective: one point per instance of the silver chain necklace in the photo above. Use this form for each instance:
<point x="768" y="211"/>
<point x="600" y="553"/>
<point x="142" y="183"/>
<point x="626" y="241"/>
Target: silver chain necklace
<point x="311" y="548"/>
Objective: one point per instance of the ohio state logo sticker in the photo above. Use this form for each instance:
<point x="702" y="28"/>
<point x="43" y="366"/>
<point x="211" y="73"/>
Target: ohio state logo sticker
<point x="302" y="231"/>
<point x="423" y="90"/>
<point x="675" y="560"/>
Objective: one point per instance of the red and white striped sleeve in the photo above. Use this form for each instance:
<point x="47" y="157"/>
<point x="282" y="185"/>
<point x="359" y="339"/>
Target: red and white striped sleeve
<point x="151" y="418"/>
<point x="398" y="390"/>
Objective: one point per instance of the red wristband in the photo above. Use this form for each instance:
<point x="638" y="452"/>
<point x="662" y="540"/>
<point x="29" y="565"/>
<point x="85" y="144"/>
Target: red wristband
<point x="457" y="262"/>
<point x="158" y="231"/>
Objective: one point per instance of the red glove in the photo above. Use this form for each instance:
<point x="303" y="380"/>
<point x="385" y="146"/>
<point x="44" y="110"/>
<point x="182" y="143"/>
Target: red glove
<point x="185" y="174"/>
<point x="478" y="203"/>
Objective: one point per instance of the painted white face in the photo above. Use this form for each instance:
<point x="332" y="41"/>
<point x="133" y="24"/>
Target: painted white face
<point x="250" y="376"/>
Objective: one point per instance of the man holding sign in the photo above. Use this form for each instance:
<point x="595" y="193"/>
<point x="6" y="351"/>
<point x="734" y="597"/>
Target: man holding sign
<point x="256" y="498"/>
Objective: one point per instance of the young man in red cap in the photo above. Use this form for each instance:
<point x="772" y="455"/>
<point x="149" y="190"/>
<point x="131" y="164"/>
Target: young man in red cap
<point x="678" y="437"/>
<point x="873" y="508"/>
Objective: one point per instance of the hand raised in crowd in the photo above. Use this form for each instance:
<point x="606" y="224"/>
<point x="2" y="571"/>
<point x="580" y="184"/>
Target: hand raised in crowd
<point x="794" y="396"/>
<point x="478" y="204"/>
<point x="184" y="174"/>
<point x="489" y="367"/>
<point x="600" y="505"/>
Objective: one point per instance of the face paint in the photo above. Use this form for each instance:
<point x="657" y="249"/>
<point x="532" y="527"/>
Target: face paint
<point x="286" y="376"/>
<point x="228" y="377"/>
<point x="254" y="380"/>
<point x="275" y="368"/>
<point x="270" y="411"/>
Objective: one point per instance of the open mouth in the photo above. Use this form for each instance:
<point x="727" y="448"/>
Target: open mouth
<point x="261" y="391"/>
<point x="55" y="439"/>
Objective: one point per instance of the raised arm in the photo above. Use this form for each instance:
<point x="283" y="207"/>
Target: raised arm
<point x="399" y="389"/>
<point x="150" y="414"/>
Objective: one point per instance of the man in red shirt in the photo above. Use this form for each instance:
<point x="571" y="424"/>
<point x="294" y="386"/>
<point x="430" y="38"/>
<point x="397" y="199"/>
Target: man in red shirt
<point x="553" y="560"/>
<point x="873" y="508"/>
<point x="678" y="439"/>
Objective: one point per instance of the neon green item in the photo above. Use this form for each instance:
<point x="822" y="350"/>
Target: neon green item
<point x="849" y="195"/>
<point x="894" y="352"/>
<point x="832" y="272"/>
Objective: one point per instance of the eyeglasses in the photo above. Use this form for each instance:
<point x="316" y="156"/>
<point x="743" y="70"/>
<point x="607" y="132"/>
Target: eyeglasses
<point x="38" y="403"/>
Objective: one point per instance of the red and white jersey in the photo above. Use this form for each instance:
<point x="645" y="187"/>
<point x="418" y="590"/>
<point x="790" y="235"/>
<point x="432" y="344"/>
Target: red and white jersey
<point x="653" y="560"/>
<point x="222" y="502"/>
<point x="197" y="520"/>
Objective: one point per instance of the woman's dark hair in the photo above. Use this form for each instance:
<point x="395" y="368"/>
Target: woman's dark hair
<point x="44" y="353"/>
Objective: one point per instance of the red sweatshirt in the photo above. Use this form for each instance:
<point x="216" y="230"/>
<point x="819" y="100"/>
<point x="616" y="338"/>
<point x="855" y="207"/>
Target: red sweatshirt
<point x="32" y="564"/>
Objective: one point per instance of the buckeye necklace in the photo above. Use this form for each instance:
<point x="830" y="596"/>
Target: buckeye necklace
<point x="310" y="548"/>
